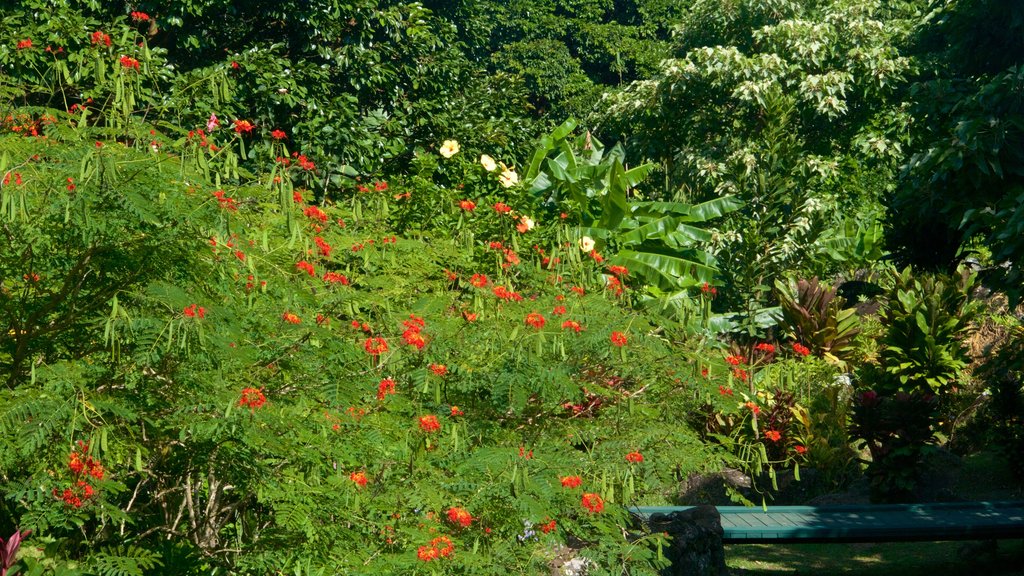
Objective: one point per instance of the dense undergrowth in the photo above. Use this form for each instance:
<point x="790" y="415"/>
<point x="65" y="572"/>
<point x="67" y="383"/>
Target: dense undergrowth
<point x="262" y="315"/>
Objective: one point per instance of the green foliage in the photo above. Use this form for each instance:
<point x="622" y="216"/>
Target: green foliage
<point x="815" y="316"/>
<point x="926" y="321"/>
<point x="793" y="109"/>
<point x="197" y="338"/>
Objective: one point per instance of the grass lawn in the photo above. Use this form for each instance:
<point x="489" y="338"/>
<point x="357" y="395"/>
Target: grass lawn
<point x="903" y="559"/>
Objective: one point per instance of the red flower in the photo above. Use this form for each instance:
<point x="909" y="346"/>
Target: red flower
<point x="740" y="374"/>
<point x="618" y="339"/>
<point x="439" y="369"/>
<point x="547" y="527"/>
<point x="502" y="208"/>
<point x="23" y="44"/>
<point x="129" y="63"/>
<point x="725" y="391"/>
<point x="375" y="346"/>
<point x="579" y="291"/>
<point x="765" y="348"/>
<point x="709" y="289"/>
<point x="572" y="325"/>
<point x="99" y="37"/>
<point x="278" y="134"/>
<point x="754" y="408"/>
<point x="358" y="477"/>
<point x="558" y="311"/>
<point x="140" y="16"/>
<point x="773" y="435"/>
<point x="429" y="423"/>
<point x="801" y="349"/>
<point x="478" y="280"/>
<point x="252" y="398"/>
<point x="291" y="318"/>
<point x="619" y="271"/>
<point x="735" y="360"/>
<point x="456" y="411"/>
<point x="469" y="316"/>
<point x="634" y="457"/>
<point x="335" y="278"/>
<point x="467" y="205"/>
<point x="386" y="386"/>
<point x="323" y="246"/>
<point x="460" y="517"/>
<point x="592" y="502"/>
<point x="380" y="186"/>
<point x="412" y="337"/>
<point x="800" y="449"/>
<point x="194" y="310"/>
<point x="571" y="481"/>
<point x="314" y="213"/>
<point x="305" y="266"/>
<point x="535" y="319"/>
<point x="427" y="553"/>
<point x="243" y="126"/>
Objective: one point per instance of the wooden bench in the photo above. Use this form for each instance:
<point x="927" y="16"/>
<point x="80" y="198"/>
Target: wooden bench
<point x="863" y="523"/>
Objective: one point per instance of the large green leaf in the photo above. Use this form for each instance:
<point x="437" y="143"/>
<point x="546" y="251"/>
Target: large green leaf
<point x="667" y="270"/>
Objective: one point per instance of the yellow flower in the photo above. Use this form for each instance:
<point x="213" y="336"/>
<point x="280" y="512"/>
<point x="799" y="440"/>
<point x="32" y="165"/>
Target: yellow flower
<point x="508" y="176"/>
<point x="586" y="243"/>
<point x="449" y="148"/>
<point x="488" y="163"/>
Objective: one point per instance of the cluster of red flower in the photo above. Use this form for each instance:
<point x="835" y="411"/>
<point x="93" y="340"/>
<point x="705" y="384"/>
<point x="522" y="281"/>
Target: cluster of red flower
<point x="386" y="386"/>
<point x="467" y="205"/>
<point x="98" y="37"/>
<point x="252" y="398"/>
<point x="194" y="310"/>
<point x="571" y="481"/>
<point x="305" y="267"/>
<point x="129" y="63"/>
<point x="460" y="517"/>
<point x="440" y="547"/>
<point x="335" y="278"/>
<point x="375" y="346"/>
<point x="83" y="468"/>
<point x="507" y="295"/>
<point x="243" y="127"/>
<point x="592" y="502"/>
<point x="359" y="478"/>
<point x="291" y="318"/>
<point x="618" y="339"/>
<point x="572" y="325"/>
<point x="634" y="457"/>
<point x="314" y="213"/>
<point x="535" y="319"/>
<point x="323" y="246"/>
<point x="429" y="423"/>
<point x="225" y="201"/>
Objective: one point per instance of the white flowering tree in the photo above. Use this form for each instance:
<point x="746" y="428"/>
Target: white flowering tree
<point x="787" y="106"/>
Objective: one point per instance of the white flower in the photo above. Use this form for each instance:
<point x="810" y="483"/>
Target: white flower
<point x="586" y="243"/>
<point x="508" y="177"/>
<point x="488" y="163"/>
<point x="449" y="148"/>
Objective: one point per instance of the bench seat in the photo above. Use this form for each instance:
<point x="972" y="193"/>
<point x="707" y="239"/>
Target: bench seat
<point x="864" y="523"/>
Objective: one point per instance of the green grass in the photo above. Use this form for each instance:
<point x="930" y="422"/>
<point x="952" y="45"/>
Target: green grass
<point x="902" y="559"/>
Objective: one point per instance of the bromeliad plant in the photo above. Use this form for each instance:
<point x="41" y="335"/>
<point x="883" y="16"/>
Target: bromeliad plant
<point x="815" y="316"/>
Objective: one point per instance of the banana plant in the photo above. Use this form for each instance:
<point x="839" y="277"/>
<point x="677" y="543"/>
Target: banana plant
<point x="658" y="241"/>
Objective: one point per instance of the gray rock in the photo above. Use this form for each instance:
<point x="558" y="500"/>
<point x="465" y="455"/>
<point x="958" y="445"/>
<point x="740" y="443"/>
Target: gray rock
<point x="696" y="548"/>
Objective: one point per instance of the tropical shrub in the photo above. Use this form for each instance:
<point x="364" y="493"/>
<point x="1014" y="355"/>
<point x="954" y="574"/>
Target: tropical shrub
<point x="815" y="317"/>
